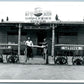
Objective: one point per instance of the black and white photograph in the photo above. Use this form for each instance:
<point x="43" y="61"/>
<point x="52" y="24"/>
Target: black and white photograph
<point x="42" y="40"/>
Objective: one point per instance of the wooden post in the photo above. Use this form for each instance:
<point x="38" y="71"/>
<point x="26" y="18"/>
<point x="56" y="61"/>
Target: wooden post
<point x="19" y="38"/>
<point x="53" y="39"/>
<point x="53" y="42"/>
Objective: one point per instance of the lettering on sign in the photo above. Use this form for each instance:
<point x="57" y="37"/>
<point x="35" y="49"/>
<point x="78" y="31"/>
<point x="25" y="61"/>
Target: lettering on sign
<point x="71" y="48"/>
<point x="38" y="15"/>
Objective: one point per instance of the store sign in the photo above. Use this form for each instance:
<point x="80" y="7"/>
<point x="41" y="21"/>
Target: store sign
<point x="71" y="48"/>
<point x="38" y="15"/>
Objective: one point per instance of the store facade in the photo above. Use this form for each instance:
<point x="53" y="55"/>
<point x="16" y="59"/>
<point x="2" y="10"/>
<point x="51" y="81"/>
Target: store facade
<point x="62" y="37"/>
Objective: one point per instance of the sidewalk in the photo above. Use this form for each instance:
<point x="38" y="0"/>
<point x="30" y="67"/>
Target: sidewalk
<point x="36" y="60"/>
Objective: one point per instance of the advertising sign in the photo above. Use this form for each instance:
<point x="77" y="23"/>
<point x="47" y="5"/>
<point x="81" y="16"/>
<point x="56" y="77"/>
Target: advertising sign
<point x="71" y="48"/>
<point x="38" y="15"/>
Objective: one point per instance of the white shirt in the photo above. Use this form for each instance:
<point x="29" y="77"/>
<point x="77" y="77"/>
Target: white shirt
<point x="29" y="43"/>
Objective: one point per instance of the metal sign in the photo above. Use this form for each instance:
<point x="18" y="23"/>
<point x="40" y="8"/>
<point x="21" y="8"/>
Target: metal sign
<point x="38" y="15"/>
<point x="71" y="48"/>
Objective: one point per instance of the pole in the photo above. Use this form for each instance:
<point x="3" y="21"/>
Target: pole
<point x="19" y="38"/>
<point x="53" y="39"/>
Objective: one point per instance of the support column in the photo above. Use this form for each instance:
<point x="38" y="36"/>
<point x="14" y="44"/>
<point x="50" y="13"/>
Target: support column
<point x="19" y="38"/>
<point x="53" y="40"/>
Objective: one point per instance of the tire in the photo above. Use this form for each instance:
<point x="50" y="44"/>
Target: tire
<point x="13" y="59"/>
<point x="61" y="61"/>
<point x="9" y="60"/>
<point x="78" y="62"/>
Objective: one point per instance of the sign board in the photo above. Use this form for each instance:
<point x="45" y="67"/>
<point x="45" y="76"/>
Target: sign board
<point x="71" y="48"/>
<point x="38" y="15"/>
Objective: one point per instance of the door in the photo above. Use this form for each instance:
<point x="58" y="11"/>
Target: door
<point x="40" y="36"/>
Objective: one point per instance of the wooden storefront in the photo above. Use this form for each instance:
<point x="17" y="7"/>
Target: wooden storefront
<point x="14" y="34"/>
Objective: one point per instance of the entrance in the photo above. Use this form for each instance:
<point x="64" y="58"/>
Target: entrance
<point x="40" y="37"/>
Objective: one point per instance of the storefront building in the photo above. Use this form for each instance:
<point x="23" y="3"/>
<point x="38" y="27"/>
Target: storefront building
<point x="64" y="38"/>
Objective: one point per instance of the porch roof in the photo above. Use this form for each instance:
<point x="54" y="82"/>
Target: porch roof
<point x="48" y="25"/>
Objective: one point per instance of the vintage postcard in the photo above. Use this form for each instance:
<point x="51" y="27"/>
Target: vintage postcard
<point x="41" y="40"/>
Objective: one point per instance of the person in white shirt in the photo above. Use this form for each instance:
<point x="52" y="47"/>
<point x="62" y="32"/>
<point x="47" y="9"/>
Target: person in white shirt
<point x="29" y="44"/>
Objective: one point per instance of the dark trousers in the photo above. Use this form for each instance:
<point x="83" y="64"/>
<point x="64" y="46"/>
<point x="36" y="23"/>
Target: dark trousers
<point x="29" y="52"/>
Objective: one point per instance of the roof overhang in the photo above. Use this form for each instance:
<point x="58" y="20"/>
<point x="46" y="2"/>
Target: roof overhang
<point x="43" y="25"/>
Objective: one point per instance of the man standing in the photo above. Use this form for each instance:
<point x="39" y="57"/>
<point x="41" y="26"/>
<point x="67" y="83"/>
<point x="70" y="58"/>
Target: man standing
<point x="45" y="50"/>
<point x="29" y="44"/>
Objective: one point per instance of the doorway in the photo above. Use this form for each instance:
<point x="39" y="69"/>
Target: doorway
<point x="41" y="34"/>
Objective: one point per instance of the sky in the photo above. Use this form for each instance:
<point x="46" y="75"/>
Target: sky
<point x="66" y="11"/>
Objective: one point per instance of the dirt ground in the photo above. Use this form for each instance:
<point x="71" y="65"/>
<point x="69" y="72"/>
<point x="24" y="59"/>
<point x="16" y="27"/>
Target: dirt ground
<point x="36" y="69"/>
<point x="41" y="72"/>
